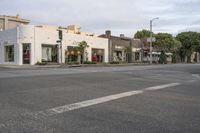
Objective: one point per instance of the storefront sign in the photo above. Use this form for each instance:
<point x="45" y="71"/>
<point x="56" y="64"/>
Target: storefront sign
<point x="119" y="47"/>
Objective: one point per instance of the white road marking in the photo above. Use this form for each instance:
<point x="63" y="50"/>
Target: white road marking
<point x="196" y="76"/>
<point x="62" y="109"/>
<point x="83" y="104"/>
<point x="191" y="81"/>
<point x="162" y="86"/>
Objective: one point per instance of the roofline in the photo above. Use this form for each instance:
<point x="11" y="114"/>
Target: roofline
<point x="15" y="18"/>
<point x="125" y="38"/>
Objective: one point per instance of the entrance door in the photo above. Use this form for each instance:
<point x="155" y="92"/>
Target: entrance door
<point x="26" y="53"/>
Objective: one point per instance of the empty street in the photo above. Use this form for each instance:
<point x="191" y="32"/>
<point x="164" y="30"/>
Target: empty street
<point x="128" y="99"/>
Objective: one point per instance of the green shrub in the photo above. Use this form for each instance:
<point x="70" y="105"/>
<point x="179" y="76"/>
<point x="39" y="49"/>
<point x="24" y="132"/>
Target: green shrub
<point x="89" y="62"/>
<point x="114" y="62"/>
<point x="163" y="58"/>
<point x="174" y="58"/>
<point x="77" y="63"/>
<point x="41" y="63"/>
<point x="69" y="63"/>
<point x="72" y="63"/>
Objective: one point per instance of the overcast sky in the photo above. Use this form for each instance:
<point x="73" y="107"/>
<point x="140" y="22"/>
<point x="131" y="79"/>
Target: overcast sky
<point x="120" y="16"/>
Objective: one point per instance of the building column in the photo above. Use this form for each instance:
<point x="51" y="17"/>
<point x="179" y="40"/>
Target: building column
<point x="198" y="57"/>
<point x="133" y="56"/>
<point x="123" y="56"/>
<point x="140" y="56"/>
<point x="63" y="54"/>
<point x="5" y="23"/>
<point x="32" y="59"/>
<point x="185" y="59"/>
<point x="88" y="54"/>
<point x="131" y="53"/>
<point x="59" y="54"/>
<point x="1" y="53"/>
<point x="18" y="50"/>
<point x="110" y="54"/>
<point x="19" y="54"/>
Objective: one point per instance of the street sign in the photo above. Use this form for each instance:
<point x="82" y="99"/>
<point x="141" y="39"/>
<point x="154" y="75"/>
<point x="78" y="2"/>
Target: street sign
<point x="153" y="39"/>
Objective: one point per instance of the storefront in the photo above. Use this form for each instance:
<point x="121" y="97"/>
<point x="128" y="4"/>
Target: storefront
<point x="31" y="45"/>
<point x="72" y="54"/>
<point x="9" y="53"/>
<point x="49" y="53"/>
<point x="26" y="53"/>
<point x="98" y="55"/>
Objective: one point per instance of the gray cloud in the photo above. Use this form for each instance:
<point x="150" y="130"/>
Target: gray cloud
<point x="120" y="16"/>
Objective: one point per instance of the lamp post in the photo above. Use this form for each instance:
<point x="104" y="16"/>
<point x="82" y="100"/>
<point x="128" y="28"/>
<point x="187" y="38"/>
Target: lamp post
<point x="151" y="34"/>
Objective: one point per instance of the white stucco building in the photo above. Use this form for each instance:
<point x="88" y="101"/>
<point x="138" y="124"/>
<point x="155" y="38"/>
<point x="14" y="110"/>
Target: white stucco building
<point x="29" y="44"/>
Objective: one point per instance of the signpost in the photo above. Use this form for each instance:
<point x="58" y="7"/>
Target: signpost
<point x="60" y="37"/>
<point x="153" y="39"/>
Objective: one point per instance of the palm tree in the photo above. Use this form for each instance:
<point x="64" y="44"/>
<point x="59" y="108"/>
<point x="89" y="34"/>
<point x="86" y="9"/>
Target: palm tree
<point x="82" y="48"/>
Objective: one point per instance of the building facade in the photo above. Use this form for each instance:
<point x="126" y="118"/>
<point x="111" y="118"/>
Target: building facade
<point x="137" y="50"/>
<point x="10" y="22"/>
<point x="119" y="47"/>
<point x="27" y="44"/>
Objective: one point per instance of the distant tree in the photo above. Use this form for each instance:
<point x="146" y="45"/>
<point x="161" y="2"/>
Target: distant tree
<point x="128" y="51"/>
<point x="166" y="42"/>
<point x="163" y="58"/>
<point x="82" y="48"/>
<point x="190" y="42"/>
<point x="174" y="57"/>
<point x="143" y="35"/>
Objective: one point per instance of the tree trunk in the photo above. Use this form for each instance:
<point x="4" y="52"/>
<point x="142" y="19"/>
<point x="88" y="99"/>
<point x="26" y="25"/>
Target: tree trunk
<point x="83" y="57"/>
<point x="188" y="59"/>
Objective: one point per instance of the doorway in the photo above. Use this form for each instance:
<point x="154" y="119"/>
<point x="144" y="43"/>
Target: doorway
<point x="98" y="55"/>
<point x="26" y="53"/>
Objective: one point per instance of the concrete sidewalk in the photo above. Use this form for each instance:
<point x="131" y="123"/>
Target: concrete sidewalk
<point x="69" y="66"/>
<point x="29" y="66"/>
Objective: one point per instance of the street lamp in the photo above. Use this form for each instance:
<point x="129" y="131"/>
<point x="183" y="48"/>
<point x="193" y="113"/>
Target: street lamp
<point x="151" y="34"/>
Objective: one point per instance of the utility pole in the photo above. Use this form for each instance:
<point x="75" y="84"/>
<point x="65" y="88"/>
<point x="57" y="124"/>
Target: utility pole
<point x="151" y="40"/>
<point x="60" y="37"/>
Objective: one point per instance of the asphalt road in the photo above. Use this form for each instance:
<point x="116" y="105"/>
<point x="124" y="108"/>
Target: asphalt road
<point x="133" y="99"/>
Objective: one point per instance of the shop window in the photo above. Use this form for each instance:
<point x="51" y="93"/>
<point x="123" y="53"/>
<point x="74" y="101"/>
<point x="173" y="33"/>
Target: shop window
<point x="26" y="53"/>
<point x="137" y="56"/>
<point x="117" y="56"/>
<point x="72" y="54"/>
<point x="9" y="53"/>
<point x="97" y="55"/>
<point x="49" y="53"/>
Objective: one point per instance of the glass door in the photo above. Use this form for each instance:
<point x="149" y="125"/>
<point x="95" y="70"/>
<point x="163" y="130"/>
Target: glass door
<point x="26" y="53"/>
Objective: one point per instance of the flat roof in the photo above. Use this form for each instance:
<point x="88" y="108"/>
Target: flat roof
<point x="15" y="18"/>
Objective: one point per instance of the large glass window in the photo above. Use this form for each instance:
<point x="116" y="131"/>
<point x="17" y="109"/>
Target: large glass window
<point x="26" y="53"/>
<point x="117" y="56"/>
<point x="72" y="54"/>
<point x="49" y="53"/>
<point x="97" y="55"/>
<point x="9" y="53"/>
<point x="46" y="53"/>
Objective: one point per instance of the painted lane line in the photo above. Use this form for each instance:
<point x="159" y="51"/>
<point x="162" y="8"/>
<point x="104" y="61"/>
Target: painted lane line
<point x="161" y="87"/>
<point x="196" y="76"/>
<point x="83" y="104"/>
<point x="62" y="109"/>
<point x="191" y="81"/>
